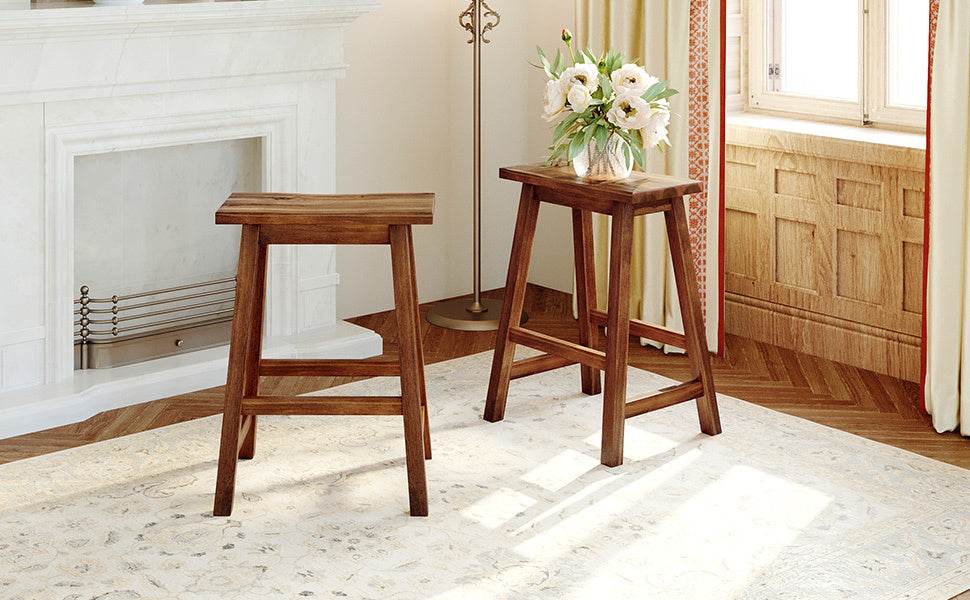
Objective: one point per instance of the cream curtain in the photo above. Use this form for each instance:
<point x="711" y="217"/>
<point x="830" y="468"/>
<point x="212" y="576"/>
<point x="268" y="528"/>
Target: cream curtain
<point x="948" y="265"/>
<point x="657" y="32"/>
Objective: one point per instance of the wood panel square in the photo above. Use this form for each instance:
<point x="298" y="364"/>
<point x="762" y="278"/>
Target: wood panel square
<point x="859" y="194"/>
<point x="740" y="175"/>
<point x="860" y="267"/>
<point x="913" y="203"/>
<point x="795" y="261"/>
<point x="795" y="183"/>
<point x="913" y="277"/>
<point x="741" y="247"/>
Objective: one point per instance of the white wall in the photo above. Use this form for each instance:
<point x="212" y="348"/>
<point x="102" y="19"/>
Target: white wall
<point x="404" y="123"/>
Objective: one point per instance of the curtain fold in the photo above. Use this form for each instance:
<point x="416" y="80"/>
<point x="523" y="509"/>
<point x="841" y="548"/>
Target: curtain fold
<point x="947" y="306"/>
<point x="673" y="40"/>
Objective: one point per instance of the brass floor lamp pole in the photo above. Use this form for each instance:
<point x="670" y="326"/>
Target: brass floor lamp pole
<point x="476" y="314"/>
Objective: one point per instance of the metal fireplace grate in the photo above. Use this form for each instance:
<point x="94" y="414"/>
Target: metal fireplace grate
<point x="120" y="330"/>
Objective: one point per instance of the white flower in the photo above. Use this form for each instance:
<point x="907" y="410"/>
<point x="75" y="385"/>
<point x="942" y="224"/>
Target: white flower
<point x="631" y="80"/>
<point x="579" y="98"/>
<point x="583" y="74"/>
<point x="554" y="101"/>
<point x="655" y="131"/>
<point x="629" y="112"/>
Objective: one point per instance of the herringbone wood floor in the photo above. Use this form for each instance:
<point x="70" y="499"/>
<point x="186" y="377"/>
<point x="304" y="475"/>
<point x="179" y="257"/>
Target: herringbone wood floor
<point x="867" y="404"/>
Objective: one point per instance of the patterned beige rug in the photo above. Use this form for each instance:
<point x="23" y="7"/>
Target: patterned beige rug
<point x="773" y="508"/>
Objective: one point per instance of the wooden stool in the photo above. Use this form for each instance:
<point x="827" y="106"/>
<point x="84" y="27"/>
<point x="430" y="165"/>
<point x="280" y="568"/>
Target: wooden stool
<point x="638" y="195"/>
<point x="314" y="219"/>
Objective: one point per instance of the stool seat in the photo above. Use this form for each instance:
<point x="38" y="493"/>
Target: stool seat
<point x="319" y="209"/>
<point x="623" y="200"/>
<point x="645" y="193"/>
<point x="322" y="219"/>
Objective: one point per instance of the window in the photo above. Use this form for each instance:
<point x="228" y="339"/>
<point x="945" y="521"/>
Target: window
<point x="860" y="61"/>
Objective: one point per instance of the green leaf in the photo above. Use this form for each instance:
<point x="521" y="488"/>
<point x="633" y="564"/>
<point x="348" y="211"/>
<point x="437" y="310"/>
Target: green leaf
<point x="545" y="62"/>
<point x="664" y="94"/>
<point x="589" y="54"/>
<point x="564" y="126"/>
<point x="639" y="157"/>
<point x="602" y="134"/>
<point x="575" y="146"/>
<point x="557" y="65"/>
<point x="627" y="156"/>
<point x="606" y="86"/>
<point x="654" y="90"/>
<point x="588" y="132"/>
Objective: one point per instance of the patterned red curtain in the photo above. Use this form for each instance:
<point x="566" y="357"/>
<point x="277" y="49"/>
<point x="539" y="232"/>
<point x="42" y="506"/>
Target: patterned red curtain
<point x="699" y="156"/>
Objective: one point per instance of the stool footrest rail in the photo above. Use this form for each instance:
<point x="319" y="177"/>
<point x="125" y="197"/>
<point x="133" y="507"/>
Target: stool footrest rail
<point x="322" y="405"/>
<point x="568" y="350"/>
<point x="668" y="396"/>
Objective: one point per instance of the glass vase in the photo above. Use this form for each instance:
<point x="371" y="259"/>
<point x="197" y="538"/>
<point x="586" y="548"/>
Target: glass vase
<point x="604" y="164"/>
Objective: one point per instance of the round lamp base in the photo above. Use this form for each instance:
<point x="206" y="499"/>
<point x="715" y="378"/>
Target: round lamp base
<point x="458" y="314"/>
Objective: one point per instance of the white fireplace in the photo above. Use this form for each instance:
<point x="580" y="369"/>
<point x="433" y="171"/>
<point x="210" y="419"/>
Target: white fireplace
<point x="86" y="81"/>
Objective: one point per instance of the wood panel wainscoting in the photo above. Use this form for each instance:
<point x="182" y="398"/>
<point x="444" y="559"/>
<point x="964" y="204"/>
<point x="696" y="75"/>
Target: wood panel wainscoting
<point x="824" y="244"/>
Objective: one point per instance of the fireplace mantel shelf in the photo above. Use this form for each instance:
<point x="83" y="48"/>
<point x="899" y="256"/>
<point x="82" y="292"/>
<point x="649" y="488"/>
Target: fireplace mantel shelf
<point x="93" y="51"/>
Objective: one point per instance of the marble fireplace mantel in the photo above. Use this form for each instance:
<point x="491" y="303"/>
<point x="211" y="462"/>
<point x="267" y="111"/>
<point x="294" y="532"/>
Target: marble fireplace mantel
<point x="81" y="80"/>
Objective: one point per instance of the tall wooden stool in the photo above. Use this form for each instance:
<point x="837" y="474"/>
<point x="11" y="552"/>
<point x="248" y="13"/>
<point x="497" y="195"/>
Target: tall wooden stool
<point x="640" y="194"/>
<point x="315" y="219"/>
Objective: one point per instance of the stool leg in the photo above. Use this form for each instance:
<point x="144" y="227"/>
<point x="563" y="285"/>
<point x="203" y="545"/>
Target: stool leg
<point x="585" y="293"/>
<point x="418" y="323"/>
<point x="247" y="448"/>
<point x="617" y="335"/>
<point x="692" y="313"/>
<point x="412" y="367"/>
<point x="525" y="230"/>
<point x="236" y="376"/>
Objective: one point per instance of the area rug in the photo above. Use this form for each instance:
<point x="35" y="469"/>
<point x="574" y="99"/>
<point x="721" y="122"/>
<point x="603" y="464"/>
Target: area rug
<point x="773" y="508"/>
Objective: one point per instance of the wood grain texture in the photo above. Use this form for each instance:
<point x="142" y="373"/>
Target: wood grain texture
<point x="322" y="405"/>
<point x="585" y="269"/>
<point x="244" y="310"/>
<point x="412" y="367"/>
<point x="515" y="284"/>
<point x="645" y="192"/>
<point x="618" y="334"/>
<point x="823" y="231"/>
<point x="319" y="209"/>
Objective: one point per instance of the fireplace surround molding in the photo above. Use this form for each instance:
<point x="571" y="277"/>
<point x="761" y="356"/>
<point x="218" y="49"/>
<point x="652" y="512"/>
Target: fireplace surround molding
<point x="85" y="80"/>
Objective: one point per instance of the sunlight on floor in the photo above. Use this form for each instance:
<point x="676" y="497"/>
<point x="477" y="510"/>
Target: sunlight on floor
<point x="498" y="507"/>
<point x="560" y="470"/>
<point x="726" y="532"/>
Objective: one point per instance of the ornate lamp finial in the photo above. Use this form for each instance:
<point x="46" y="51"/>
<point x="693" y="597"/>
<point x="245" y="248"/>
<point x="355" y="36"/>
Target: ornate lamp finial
<point x="467" y="20"/>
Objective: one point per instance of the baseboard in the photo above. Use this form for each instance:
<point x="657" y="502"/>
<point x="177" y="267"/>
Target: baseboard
<point x="90" y="392"/>
<point x="883" y="351"/>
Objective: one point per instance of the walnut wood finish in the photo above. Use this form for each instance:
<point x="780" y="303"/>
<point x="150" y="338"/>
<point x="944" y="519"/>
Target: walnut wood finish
<point x="327" y="210"/>
<point x="314" y="219"/>
<point x="623" y="200"/>
<point x="521" y="255"/>
<point x="586" y="294"/>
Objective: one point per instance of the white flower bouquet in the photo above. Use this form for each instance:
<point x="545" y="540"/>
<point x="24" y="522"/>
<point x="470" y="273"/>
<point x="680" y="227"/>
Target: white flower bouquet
<point x="603" y="97"/>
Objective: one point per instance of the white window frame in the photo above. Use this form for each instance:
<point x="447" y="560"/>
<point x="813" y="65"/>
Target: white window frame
<point x="871" y="109"/>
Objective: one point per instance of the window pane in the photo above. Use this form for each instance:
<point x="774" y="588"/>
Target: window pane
<point x="908" y="39"/>
<point x="819" y="47"/>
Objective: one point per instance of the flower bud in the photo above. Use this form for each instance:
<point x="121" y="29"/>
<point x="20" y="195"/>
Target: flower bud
<point x="567" y="36"/>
